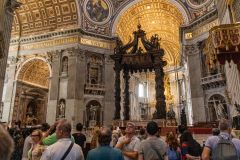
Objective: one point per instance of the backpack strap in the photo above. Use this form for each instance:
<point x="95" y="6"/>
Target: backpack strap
<point x="67" y="151"/>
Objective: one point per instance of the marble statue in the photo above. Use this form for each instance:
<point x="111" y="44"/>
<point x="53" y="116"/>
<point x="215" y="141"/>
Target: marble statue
<point x="62" y="109"/>
<point x="93" y="110"/>
<point x="220" y="111"/>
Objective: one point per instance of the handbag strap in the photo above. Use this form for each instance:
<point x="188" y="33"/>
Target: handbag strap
<point x="67" y="151"/>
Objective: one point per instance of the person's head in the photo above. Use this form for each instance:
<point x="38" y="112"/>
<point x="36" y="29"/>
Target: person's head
<point x="6" y="144"/>
<point x="152" y="128"/>
<point x="215" y="131"/>
<point x="105" y="137"/>
<point x="187" y="136"/>
<point x="79" y="127"/>
<point x="225" y="126"/>
<point x="182" y="128"/>
<point x="172" y="141"/>
<point x="36" y="136"/>
<point x="63" y="130"/>
<point x="45" y="127"/>
<point x="130" y="128"/>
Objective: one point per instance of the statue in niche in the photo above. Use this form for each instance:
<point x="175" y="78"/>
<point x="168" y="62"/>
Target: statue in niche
<point x="62" y="108"/>
<point x="220" y="111"/>
<point x="65" y="64"/>
<point x="93" y="112"/>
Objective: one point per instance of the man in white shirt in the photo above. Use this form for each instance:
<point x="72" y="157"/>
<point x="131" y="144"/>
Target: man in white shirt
<point x="58" y="149"/>
<point x="129" y="143"/>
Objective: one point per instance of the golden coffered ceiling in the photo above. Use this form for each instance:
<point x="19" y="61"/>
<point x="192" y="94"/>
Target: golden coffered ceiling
<point x="35" y="72"/>
<point x="39" y="16"/>
<point x="156" y="17"/>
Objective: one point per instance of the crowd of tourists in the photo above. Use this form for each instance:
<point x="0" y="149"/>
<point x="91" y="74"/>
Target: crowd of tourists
<point x="57" y="142"/>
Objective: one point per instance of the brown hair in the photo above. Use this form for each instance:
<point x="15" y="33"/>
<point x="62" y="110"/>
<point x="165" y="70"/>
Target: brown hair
<point x="172" y="141"/>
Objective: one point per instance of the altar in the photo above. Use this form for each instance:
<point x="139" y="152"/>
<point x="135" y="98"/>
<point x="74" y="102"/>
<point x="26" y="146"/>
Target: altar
<point x="139" y="55"/>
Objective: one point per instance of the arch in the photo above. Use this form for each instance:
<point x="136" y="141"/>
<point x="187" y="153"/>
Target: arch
<point x="64" y="67"/>
<point x="93" y="113"/>
<point x="120" y="12"/>
<point x="217" y="107"/>
<point x="162" y="17"/>
<point x="27" y="72"/>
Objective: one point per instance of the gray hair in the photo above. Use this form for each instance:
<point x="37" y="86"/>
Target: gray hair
<point x="224" y="125"/>
<point x="6" y="144"/>
<point x="65" y="126"/>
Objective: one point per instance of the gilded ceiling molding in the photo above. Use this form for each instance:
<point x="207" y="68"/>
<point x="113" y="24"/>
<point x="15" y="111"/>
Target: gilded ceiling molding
<point x="156" y="17"/>
<point x="177" y="3"/>
<point x="39" y="16"/>
<point x="34" y="70"/>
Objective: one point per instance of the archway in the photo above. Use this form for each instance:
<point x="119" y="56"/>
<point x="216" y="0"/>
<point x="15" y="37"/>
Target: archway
<point x="217" y="108"/>
<point x="31" y="92"/>
<point x="162" y="17"/>
<point x="93" y="114"/>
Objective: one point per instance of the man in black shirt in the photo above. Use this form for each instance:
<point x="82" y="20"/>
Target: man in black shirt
<point x="79" y="137"/>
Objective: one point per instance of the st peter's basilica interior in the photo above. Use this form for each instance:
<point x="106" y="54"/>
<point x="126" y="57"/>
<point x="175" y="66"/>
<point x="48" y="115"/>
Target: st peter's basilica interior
<point x="103" y="61"/>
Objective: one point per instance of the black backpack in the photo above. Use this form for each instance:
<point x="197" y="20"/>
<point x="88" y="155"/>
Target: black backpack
<point x="224" y="150"/>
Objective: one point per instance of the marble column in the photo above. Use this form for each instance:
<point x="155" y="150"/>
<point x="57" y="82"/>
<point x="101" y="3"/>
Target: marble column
<point x="7" y="8"/>
<point x="9" y="90"/>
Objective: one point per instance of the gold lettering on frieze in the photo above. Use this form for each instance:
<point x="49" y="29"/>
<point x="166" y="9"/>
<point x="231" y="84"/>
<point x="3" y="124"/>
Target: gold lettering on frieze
<point x="96" y="43"/>
<point x="50" y="43"/>
<point x="205" y="28"/>
<point x="201" y="30"/>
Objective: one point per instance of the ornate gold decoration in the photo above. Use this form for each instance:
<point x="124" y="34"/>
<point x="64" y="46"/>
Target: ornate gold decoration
<point x="35" y="72"/>
<point x="64" y="41"/>
<point x="156" y="17"/>
<point x="223" y="44"/>
<point x="167" y="86"/>
<point x="96" y="43"/>
<point x="39" y="16"/>
<point x="200" y="30"/>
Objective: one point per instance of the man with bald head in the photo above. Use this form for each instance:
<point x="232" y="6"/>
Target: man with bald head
<point x="64" y="148"/>
<point x="104" y="151"/>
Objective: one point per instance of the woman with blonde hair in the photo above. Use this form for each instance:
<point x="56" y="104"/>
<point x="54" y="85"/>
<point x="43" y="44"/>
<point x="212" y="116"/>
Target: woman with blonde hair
<point x="173" y="151"/>
<point x="37" y="149"/>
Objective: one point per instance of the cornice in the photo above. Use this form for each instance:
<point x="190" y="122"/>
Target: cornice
<point x="56" y="34"/>
<point x="202" y="20"/>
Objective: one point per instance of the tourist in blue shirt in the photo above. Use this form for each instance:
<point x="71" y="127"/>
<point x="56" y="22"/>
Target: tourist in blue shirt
<point x="104" y="151"/>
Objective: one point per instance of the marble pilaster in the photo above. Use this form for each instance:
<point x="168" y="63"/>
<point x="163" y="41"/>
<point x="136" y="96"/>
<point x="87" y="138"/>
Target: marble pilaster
<point x="197" y="95"/>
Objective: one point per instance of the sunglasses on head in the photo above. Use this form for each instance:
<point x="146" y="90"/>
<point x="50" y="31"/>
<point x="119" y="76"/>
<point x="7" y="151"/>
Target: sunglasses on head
<point x="36" y="135"/>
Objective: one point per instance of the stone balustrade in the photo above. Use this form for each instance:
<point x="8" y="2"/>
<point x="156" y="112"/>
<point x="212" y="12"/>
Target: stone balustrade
<point x="213" y="81"/>
<point x="94" y="89"/>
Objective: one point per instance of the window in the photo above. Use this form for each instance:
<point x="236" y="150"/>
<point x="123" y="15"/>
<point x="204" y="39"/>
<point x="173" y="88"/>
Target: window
<point x="140" y="90"/>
